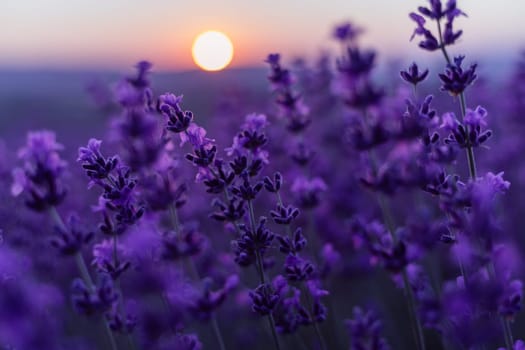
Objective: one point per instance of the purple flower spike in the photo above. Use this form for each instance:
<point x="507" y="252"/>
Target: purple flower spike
<point x="437" y="12"/>
<point x="518" y="345"/>
<point x="203" y="308"/>
<point x="346" y="32"/>
<point x="252" y="243"/>
<point x="71" y="241"/>
<point x="284" y="215"/>
<point x="511" y="300"/>
<point x="429" y="42"/>
<point x="292" y="245"/>
<point x="273" y="59"/>
<point x="264" y="299"/>
<point x="412" y="75"/>
<point x="297" y="268"/>
<point x="365" y="331"/>
<point x="188" y="242"/>
<point x="275" y="184"/>
<point x="141" y="81"/>
<point x="91" y="302"/>
<point x="279" y="77"/>
<point x="178" y="120"/>
<point x="470" y="133"/>
<point x="97" y="167"/>
<point x="42" y="173"/>
<point x="357" y="63"/>
<point x="308" y="191"/>
<point x="456" y="80"/>
<point x="134" y="91"/>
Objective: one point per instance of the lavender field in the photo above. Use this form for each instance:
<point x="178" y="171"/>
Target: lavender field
<point x="313" y="204"/>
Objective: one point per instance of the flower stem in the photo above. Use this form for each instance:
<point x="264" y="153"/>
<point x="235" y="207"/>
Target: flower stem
<point x="195" y="275"/>
<point x="318" y="333"/>
<point x="260" y="269"/>
<point x="84" y="272"/>
<point x="417" y="329"/>
<point x="470" y="151"/>
<point x="418" y="332"/>
<point x="217" y="331"/>
<point x="441" y="44"/>
<point x="131" y="342"/>
<point x="174" y="219"/>
<point x="505" y="324"/>
<point x="111" y="339"/>
<point x="389" y="221"/>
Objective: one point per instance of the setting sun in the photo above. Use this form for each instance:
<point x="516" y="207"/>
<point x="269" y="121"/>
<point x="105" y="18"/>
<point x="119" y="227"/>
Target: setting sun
<point x="212" y="50"/>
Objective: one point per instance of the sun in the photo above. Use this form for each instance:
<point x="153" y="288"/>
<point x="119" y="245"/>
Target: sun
<point x="212" y="50"/>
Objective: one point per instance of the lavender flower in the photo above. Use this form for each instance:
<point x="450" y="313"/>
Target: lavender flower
<point x="119" y="196"/>
<point x="307" y="191"/>
<point x="41" y="177"/>
<point x="187" y="242"/>
<point x="251" y="244"/>
<point x="412" y="75"/>
<point x="456" y="80"/>
<point x="97" y="167"/>
<point x="365" y="331"/>
<point x="284" y="215"/>
<point x="469" y="133"/>
<point x="356" y="63"/>
<point x="264" y="299"/>
<point x="178" y="120"/>
<point x="93" y="301"/>
<point x="290" y="103"/>
<point x="511" y="299"/>
<point x="297" y="268"/>
<point x="134" y="91"/>
<point x="292" y="245"/>
<point x="71" y="241"/>
<point x="518" y="345"/>
<point x="346" y="32"/>
<point x="210" y="300"/>
<point x="110" y="258"/>
<point x="122" y="321"/>
<point x="436" y="12"/>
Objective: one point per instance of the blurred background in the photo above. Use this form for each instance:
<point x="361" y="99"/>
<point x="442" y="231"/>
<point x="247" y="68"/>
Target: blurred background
<point x="113" y="35"/>
<point x="57" y="57"/>
<point x="60" y="60"/>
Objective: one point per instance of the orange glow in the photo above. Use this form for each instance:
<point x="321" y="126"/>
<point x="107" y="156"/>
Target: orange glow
<point x="212" y="51"/>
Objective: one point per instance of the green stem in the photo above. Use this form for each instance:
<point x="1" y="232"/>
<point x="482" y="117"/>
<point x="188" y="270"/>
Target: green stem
<point x="418" y="332"/>
<point x="260" y="269"/>
<point x="319" y="335"/>
<point x="310" y="302"/>
<point x="470" y="151"/>
<point x="271" y="322"/>
<point x="131" y="342"/>
<point x="84" y="272"/>
<point x="506" y="336"/>
<point x="441" y="44"/>
<point x="195" y="275"/>
<point x="111" y="339"/>
<point x="227" y="198"/>
<point x="389" y="221"/>
<point x="505" y="324"/>
<point x="217" y="331"/>
<point x="174" y="219"/>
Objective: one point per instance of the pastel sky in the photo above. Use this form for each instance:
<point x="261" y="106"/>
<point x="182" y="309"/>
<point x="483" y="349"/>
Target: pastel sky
<point x="110" y="34"/>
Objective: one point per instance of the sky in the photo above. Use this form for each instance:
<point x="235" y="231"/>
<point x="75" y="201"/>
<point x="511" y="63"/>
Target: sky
<point x="111" y="34"/>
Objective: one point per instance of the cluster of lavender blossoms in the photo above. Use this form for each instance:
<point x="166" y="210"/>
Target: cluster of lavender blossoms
<point x="344" y="214"/>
